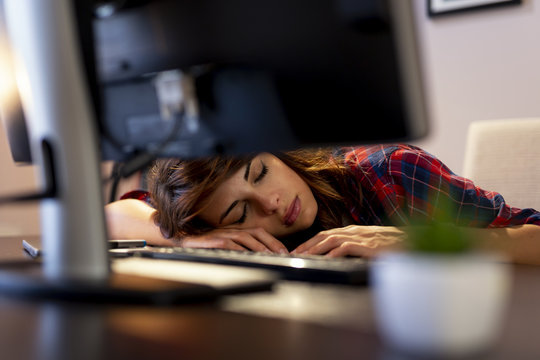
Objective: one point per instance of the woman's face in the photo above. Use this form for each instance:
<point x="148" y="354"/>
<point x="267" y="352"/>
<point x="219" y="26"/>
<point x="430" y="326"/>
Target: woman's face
<point x="264" y="193"/>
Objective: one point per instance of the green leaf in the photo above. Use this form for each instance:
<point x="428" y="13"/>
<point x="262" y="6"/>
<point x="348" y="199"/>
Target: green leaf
<point x="438" y="237"/>
<point x="439" y="234"/>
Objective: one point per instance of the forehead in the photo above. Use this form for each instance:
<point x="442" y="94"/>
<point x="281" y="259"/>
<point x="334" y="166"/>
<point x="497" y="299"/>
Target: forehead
<point x="212" y="176"/>
<point x="225" y="193"/>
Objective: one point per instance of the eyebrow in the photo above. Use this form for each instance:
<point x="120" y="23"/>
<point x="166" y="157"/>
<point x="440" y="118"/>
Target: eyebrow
<point x="246" y="174"/>
<point x="229" y="209"/>
<point x="224" y="215"/>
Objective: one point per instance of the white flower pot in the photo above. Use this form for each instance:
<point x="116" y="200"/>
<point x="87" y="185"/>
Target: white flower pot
<point x="440" y="305"/>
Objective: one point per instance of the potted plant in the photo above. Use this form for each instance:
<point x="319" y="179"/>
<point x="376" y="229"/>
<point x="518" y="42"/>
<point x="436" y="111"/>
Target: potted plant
<point x="440" y="297"/>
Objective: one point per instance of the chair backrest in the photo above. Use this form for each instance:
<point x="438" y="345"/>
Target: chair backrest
<point x="504" y="156"/>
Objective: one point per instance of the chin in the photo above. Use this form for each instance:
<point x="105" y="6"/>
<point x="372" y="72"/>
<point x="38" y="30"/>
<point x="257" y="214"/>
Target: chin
<point x="308" y="219"/>
<point x="301" y="226"/>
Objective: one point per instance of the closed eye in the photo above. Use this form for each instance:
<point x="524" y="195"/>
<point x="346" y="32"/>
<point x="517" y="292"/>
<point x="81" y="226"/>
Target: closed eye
<point x="243" y="217"/>
<point x="262" y="174"/>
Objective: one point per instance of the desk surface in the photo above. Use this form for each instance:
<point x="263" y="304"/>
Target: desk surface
<point x="296" y="320"/>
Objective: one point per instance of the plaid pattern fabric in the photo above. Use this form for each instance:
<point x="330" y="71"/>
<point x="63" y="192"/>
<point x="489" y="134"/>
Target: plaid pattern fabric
<point x="142" y="195"/>
<point x="402" y="182"/>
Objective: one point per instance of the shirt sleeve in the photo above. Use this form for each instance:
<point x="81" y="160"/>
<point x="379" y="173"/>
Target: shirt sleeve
<point x="423" y="184"/>
<point x="142" y="195"/>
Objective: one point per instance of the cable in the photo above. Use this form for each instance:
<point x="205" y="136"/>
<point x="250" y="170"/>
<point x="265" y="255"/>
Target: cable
<point x="177" y="98"/>
<point x="140" y="161"/>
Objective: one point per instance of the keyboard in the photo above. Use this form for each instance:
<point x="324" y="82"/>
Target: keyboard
<point x="311" y="268"/>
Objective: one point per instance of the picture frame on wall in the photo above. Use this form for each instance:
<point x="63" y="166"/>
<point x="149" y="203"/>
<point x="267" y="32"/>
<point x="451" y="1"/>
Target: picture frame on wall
<point x="444" y="7"/>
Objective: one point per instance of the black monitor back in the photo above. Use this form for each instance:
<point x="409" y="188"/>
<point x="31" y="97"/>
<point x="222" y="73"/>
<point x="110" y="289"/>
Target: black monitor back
<point x="269" y="74"/>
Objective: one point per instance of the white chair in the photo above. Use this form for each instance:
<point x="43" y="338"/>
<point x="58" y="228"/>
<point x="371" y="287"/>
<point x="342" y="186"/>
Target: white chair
<point x="504" y="156"/>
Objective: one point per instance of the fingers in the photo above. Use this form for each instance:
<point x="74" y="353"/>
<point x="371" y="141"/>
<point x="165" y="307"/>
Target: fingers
<point x="352" y="249"/>
<point x="247" y="239"/>
<point x="365" y="241"/>
<point x="271" y="243"/>
<point x="320" y="245"/>
<point x="313" y="246"/>
<point x="335" y="246"/>
<point x="354" y="240"/>
<point x="211" y="243"/>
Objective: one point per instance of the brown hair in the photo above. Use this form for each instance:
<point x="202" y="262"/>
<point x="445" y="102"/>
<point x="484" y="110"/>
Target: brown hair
<point x="178" y="186"/>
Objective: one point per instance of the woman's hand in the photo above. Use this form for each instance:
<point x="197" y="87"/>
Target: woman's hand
<point x="353" y="240"/>
<point x="256" y="239"/>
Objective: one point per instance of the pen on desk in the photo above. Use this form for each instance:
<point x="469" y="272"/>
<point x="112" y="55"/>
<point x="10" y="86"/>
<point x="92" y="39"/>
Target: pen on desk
<point x="33" y="251"/>
<point x="36" y="252"/>
<point x="126" y="244"/>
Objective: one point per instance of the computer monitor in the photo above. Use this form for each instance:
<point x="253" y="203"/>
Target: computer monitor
<point x="269" y="75"/>
<point x="259" y="76"/>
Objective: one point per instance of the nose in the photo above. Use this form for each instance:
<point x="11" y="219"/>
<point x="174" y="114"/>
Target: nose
<point x="268" y="203"/>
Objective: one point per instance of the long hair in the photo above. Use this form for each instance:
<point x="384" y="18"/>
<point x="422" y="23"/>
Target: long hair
<point x="178" y="187"/>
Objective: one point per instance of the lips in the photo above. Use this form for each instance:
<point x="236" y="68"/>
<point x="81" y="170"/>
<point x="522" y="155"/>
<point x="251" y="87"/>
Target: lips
<point x="292" y="212"/>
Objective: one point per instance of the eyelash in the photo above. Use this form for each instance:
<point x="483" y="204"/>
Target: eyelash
<point x="243" y="217"/>
<point x="263" y="173"/>
<point x="259" y="177"/>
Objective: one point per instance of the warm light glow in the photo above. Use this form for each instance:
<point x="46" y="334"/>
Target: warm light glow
<point x="298" y="263"/>
<point x="8" y="86"/>
<point x="14" y="82"/>
<point x="23" y="84"/>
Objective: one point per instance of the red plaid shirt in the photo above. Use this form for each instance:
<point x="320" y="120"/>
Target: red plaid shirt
<point x="403" y="182"/>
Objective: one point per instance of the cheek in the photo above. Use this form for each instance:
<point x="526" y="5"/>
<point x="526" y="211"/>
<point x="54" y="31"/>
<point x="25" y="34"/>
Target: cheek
<point x="309" y="215"/>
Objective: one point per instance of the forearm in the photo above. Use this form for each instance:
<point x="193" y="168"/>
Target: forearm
<point x="132" y="219"/>
<point x="520" y="243"/>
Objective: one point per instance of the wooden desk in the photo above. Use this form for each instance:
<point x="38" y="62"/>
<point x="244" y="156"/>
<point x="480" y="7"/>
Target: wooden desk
<point x="296" y="321"/>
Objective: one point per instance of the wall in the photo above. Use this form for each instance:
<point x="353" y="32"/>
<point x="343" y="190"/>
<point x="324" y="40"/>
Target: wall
<point x="479" y="65"/>
<point x="16" y="219"/>
<point x="23" y="219"/>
